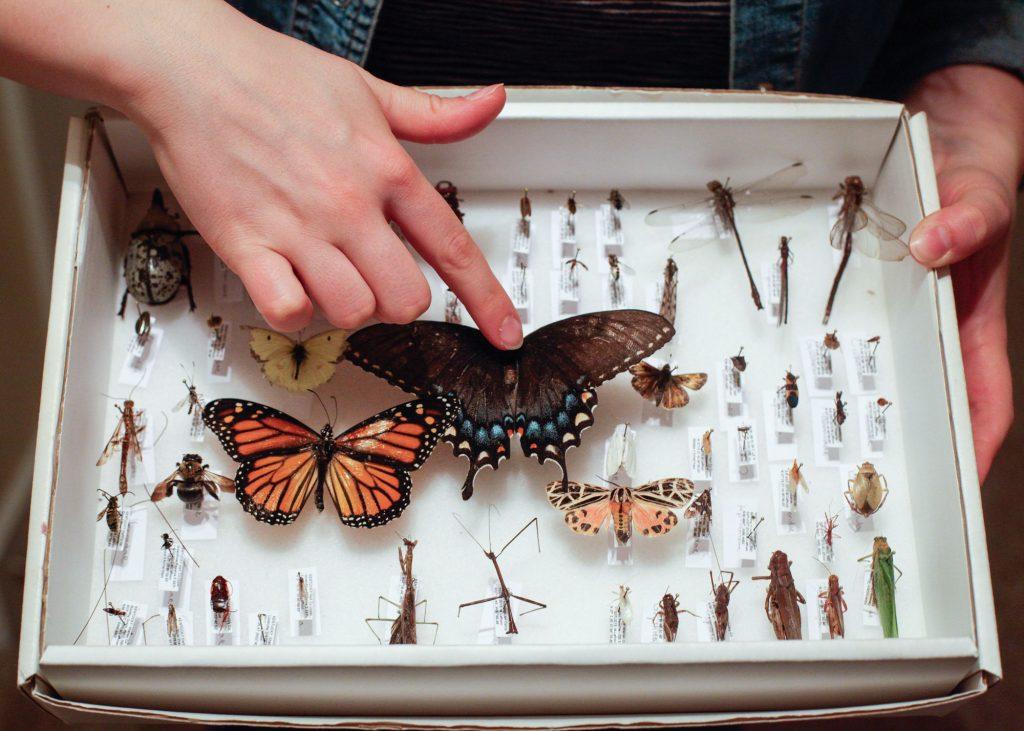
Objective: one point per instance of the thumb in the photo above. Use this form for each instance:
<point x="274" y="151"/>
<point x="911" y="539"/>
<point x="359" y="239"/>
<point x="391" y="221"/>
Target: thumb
<point x="421" y="117"/>
<point x="976" y="212"/>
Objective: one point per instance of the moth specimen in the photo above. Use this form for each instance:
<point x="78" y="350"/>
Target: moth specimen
<point x="701" y="506"/>
<point x="866" y="491"/>
<point x="722" y="592"/>
<point x="669" y="287"/>
<point x="719" y="205"/>
<point x="647" y="507"/>
<point x="447" y="190"/>
<point x="193" y="480"/>
<point x="791" y="389"/>
<point x="543" y="392"/>
<point x="835" y="607"/>
<point x="620" y="452"/>
<point x="858" y="213"/>
<point x="366" y="470"/>
<point x="883" y="585"/>
<point x="663" y="386"/>
<point x="157" y="264"/>
<point x="297" y="365"/>
<point x="220" y="601"/>
<point x="782" y="601"/>
<point x="785" y="258"/>
<point x="504" y="595"/>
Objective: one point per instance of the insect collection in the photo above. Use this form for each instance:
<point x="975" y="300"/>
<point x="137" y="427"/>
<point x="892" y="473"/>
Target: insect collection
<point x="770" y="453"/>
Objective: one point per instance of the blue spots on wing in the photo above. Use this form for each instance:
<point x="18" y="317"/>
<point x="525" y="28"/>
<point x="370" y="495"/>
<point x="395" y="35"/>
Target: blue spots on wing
<point x="533" y="431"/>
<point x="571" y="401"/>
<point x="497" y="432"/>
<point x="562" y="419"/>
<point x="551" y="432"/>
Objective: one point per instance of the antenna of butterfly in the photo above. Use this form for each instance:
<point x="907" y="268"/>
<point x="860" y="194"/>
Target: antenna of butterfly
<point x="327" y="414"/>
<point x="335" y="422"/>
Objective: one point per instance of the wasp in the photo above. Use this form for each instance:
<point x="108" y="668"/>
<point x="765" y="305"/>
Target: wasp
<point x="722" y="591"/>
<point x="193" y="480"/>
<point x="835" y="607"/>
<point x="791" y="389"/>
<point x="111" y="512"/>
<point x="866" y="491"/>
<point x="220" y="600"/>
<point x="193" y="399"/>
<point x="447" y="190"/>
<point x="115" y="612"/>
<point x="781" y="602"/>
<point x="618" y="202"/>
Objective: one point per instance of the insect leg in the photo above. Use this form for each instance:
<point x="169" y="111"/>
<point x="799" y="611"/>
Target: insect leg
<point x="188" y="277"/>
<point x="124" y="303"/>
<point x="478" y="601"/>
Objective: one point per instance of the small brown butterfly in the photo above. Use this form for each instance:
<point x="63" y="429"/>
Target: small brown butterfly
<point x="662" y="387"/>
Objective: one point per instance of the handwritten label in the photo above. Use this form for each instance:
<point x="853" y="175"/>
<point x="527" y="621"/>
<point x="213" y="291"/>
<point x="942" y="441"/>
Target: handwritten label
<point x="869" y="609"/>
<point x="609" y="230"/>
<point x="521" y="238"/>
<point x="126" y="625"/>
<point x="701" y="461"/>
<point x="172" y="568"/>
<point x="304" y="604"/>
<point x="817" y="621"/>
<point x="140" y="359"/>
<point x="824" y="551"/>
<point x="263" y="629"/>
<point x="817" y="360"/>
<point x="616" y="625"/>
<point x="743" y="453"/>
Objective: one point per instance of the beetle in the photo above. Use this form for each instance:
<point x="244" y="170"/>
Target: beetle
<point x="157" y="263"/>
<point x="220" y="601"/>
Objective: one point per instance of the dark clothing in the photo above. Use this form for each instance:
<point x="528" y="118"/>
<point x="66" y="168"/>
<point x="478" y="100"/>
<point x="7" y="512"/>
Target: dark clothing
<point x="867" y="47"/>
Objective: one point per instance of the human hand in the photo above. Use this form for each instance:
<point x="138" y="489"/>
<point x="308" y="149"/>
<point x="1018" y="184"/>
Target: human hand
<point x="976" y="122"/>
<point x="285" y="159"/>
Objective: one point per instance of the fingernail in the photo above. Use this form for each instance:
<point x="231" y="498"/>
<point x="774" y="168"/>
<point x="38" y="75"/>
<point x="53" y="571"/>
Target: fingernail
<point x="483" y="92"/>
<point x="511" y="332"/>
<point x="931" y="244"/>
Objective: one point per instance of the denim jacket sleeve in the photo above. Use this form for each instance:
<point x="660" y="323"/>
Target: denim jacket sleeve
<point x="931" y="34"/>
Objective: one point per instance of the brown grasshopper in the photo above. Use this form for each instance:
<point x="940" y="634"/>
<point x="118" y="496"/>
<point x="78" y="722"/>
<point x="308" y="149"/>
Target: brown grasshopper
<point x="668" y="612"/>
<point x="835" y="607"/>
<point x="722" y="592"/>
<point x="780" y="604"/>
<point x="505" y="595"/>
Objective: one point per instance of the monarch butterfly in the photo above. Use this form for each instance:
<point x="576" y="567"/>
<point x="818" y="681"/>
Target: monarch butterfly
<point x="365" y="469"/>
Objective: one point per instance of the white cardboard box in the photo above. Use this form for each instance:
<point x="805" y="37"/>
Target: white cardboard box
<point x="648" y="144"/>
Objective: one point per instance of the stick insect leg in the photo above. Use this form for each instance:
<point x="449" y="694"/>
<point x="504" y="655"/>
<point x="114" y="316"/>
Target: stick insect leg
<point x="478" y="601"/>
<point x="521" y="531"/>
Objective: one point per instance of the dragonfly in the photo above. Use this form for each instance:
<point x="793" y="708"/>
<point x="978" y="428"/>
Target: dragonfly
<point x="718" y="206"/>
<point x="858" y="213"/>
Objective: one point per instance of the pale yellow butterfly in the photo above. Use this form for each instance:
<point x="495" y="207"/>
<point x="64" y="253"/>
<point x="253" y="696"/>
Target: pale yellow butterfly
<point x="297" y="365"/>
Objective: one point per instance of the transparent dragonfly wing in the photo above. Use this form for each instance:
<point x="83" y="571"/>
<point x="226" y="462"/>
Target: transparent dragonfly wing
<point x="766" y="206"/>
<point x="838" y="232"/>
<point x="698" y="202"/>
<point x="781" y="179"/>
<point x="885" y="231"/>
<point x="700" y="232"/>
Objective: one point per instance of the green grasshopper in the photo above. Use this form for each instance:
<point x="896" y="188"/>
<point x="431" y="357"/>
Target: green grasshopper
<point x="883" y="585"/>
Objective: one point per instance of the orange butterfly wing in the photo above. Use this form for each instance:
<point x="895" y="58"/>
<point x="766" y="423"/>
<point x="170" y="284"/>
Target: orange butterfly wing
<point x="247" y="429"/>
<point x="369" y="477"/>
<point x="274" y="488"/>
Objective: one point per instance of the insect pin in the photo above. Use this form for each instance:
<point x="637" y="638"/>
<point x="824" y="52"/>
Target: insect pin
<point x="781" y="604"/>
<point x="157" y="264"/>
<point x="831" y="340"/>
<point x="866" y="491"/>
<point x="834" y="606"/>
<point x="791" y="389"/>
<point x="447" y="190"/>
<point x="668" y="615"/>
<point x="722" y="592"/>
<point x="505" y="595"/>
<point x="883" y="585"/>
<point x="220" y="601"/>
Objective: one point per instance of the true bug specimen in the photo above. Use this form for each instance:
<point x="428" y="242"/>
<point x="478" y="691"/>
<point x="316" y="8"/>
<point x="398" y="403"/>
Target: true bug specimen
<point x="193" y="399"/>
<point x="831" y="521"/>
<point x="504" y="595"/>
<point x="835" y="607"/>
<point x="785" y="257"/>
<point x="718" y="205"/>
<point x="781" y="602"/>
<point x="168" y="542"/>
<point x="220" y="601"/>
<point x="739" y="361"/>
<point x="403" y="627"/>
<point x="115" y="612"/>
<point x="111" y="512"/>
<point x="126" y="438"/>
<point x="791" y="389"/>
<point x="157" y="263"/>
<point x="831" y="340"/>
<point x="669" y="287"/>
<point x="193" y="480"/>
<point x="796" y="479"/>
<point x="856" y="213"/>
<point x="447" y="190"/>
<point x="840" y="413"/>
<point x="705" y="442"/>
<point x="722" y="591"/>
<point x="883" y="585"/>
<point x="866" y="491"/>
<point x="668" y="613"/>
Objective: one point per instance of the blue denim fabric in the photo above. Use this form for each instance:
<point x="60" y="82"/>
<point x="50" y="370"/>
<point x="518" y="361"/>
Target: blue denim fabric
<point x="876" y="47"/>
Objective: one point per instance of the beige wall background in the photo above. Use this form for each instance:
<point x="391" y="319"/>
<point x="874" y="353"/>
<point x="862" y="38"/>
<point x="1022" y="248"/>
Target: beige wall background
<point x="33" y="128"/>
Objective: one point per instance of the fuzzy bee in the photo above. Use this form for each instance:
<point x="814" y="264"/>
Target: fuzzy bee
<point x="193" y="480"/>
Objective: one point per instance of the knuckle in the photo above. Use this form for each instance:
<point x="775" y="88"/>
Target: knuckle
<point x="354" y="313"/>
<point x="287" y="313"/>
<point x="398" y="170"/>
<point x="404" y="309"/>
<point x="458" y="253"/>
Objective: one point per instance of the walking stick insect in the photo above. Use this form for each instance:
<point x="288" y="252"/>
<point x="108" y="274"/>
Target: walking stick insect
<point x="403" y="627"/>
<point x="504" y="595"/>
